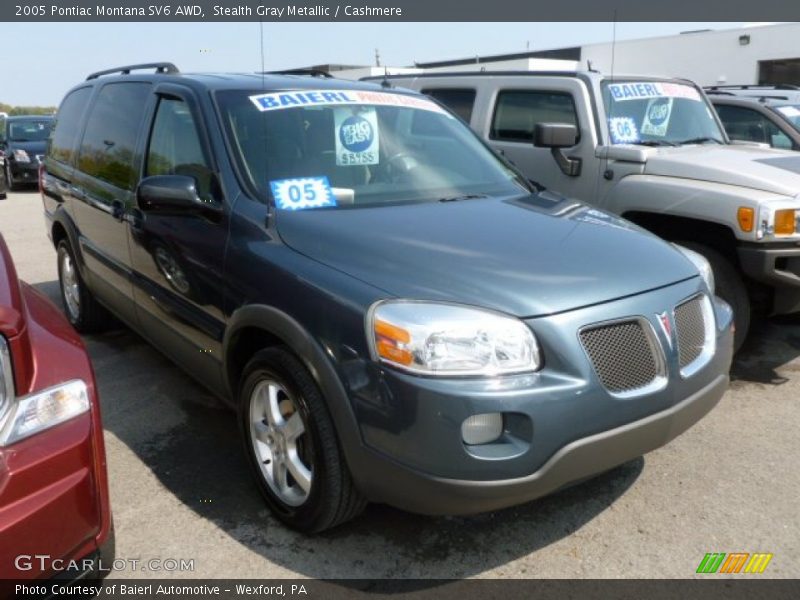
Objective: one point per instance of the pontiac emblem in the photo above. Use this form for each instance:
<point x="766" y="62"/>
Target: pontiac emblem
<point x="666" y="326"/>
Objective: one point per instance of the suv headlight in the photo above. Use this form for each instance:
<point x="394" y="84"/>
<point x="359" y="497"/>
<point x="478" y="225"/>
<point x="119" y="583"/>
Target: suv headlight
<point x="24" y="416"/>
<point x="432" y="338"/>
<point x="21" y="156"/>
<point x="702" y="265"/>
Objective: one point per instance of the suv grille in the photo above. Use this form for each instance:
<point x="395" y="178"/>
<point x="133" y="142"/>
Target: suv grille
<point x="691" y="328"/>
<point x="622" y="355"/>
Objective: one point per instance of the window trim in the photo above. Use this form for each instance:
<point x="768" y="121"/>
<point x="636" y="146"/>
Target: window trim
<point x="540" y="91"/>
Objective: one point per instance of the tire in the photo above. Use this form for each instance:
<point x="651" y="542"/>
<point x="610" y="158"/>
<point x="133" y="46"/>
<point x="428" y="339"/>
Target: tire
<point x="81" y="308"/>
<point x="10" y="181"/>
<point x="730" y="287"/>
<point x="277" y="398"/>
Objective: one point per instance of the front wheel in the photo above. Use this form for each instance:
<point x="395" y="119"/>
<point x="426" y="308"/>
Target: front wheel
<point x="730" y="287"/>
<point x="291" y="444"/>
<point x="82" y="309"/>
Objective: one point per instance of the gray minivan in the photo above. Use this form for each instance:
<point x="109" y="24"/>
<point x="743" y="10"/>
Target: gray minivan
<point x="395" y="314"/>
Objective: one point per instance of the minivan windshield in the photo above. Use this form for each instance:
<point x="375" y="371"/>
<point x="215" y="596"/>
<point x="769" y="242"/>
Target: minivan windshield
<point x="29" y="130"/>
<point x="340" y="148"/>
<point x="658" y="113"/>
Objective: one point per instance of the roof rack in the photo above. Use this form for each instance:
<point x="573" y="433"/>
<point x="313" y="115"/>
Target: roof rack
<point x="307" y="72"/>
<point x="768" y="86"/>
<point x="160" y="67"/>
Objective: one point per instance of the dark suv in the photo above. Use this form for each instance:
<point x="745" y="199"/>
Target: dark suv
<point x="395" y="313"/>
<point x="22" y="141"/>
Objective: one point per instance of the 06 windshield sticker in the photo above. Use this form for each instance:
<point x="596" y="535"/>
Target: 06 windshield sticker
<point x="357" y="136"/>
<point x="623" y="130"/>
<point x="302" y="193"/>
<point x="634" y="90"/>
<point x="656" y="118"/>
<point x="294" y="99"/>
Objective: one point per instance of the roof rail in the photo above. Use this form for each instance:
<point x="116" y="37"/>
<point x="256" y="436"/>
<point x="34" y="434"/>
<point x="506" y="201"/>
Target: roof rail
<point x="307" y="72"/>
<point x="766" y="86"/>
<point x="160" y="67"/>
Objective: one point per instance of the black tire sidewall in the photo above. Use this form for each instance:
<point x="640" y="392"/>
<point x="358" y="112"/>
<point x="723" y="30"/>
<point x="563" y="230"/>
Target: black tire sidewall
<point x="275" y="364"/>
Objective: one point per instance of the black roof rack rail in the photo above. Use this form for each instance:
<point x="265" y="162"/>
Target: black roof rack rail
<point x="160" y="67"/>
<point x="308" y="72"/>
<point x="755" y="86"/>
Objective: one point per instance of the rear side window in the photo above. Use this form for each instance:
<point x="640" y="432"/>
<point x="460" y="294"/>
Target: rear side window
<point x="517" y="113"/>
<point x="460" y="102"/>
<point x="68" y="118"/>
<point x="109" y="143"/>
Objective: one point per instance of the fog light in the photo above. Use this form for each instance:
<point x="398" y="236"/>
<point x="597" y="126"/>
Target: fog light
<point x="482" y="429"/>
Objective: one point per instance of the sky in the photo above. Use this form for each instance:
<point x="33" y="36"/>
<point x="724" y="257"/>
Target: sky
<point x="44" y="60"/>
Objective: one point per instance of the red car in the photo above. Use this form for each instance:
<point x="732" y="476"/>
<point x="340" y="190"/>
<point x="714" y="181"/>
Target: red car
<point x="55" y="519"/>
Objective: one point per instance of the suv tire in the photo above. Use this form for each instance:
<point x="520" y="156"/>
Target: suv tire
<point x="730" y="287"/>
<point x="81" y="308"/>
<point x="291" y="444"/>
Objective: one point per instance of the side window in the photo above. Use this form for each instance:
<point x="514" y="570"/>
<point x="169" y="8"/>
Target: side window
<point x="65" y="131"/>
<point x="175" y="147"/>
<point x="745" y="124"/>
<point x="460" y="102"/>
<point x="516" y="113"/>
<point x="109" y="144"/>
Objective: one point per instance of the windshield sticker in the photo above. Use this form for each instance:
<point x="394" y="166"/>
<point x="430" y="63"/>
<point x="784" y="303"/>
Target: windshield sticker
<point x="656" y="119"/>
<point x="639" y="90"/>
<point x="293" y="99"/>
<point x="302" y="193"/>
<point x="357" y="139"/>
<point x="623" y="130"/>
<point x="789" y="111"/>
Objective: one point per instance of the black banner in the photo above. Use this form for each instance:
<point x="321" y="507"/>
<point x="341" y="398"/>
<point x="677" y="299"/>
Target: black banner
<point x="399" y="10"/>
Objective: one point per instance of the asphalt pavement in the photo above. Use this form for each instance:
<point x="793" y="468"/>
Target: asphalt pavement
<point x="180" y="488"/>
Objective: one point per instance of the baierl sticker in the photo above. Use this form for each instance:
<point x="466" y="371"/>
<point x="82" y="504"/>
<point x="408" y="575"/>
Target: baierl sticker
<point x="357" y="136"/>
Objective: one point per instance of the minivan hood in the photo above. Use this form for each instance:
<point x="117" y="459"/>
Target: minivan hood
<point x="524" y="257"/>
<point x="776" y="171"/>
<point x="31" y="148"/>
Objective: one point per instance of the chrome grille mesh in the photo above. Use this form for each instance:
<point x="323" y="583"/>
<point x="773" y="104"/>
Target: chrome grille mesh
<point x="621" y="354"/>
<point x="691" y="330"/>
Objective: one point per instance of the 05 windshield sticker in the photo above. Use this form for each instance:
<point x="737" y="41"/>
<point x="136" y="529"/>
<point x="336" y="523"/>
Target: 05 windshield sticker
<point x="623" y="130"/>
<point x="637" y="90"/>
<point x="656" y="118"/>
<point x="357" y="136"/>
<point x="294" y="99"/>
<point x="302" y="193"/>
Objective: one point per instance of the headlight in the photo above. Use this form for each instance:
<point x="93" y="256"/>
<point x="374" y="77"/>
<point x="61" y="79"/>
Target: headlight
<point x="433" y="338"/>
<point x="42" y="410"/>
<point x="21" y="156"/>
<point x="702" y="265"/>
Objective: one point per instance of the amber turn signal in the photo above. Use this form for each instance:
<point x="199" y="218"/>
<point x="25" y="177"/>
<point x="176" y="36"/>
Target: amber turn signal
<point x="746" y="217"/>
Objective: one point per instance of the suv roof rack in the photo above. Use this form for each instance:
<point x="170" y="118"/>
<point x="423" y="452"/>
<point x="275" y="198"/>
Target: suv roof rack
<point x="160" y="67"/>
<point x="307" y="72"/>
<point x="757" y="86"/>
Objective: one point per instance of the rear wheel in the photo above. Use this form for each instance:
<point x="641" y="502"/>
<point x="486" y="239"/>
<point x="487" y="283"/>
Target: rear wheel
<point x="730" y="287"/>
<point x="10" y="181"/>
<point x="291" y="444"/>
<point x="82" y="309"/>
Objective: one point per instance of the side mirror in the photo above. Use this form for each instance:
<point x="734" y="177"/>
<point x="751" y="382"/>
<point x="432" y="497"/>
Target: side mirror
<point x="171" y="193"/>
<point x="557" y="136"/>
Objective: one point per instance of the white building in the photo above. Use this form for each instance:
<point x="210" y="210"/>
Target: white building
<point x="747" y="55"/>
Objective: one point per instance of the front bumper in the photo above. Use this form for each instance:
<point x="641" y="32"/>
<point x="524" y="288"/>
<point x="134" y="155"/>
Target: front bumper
<point x="25" y="172"/>
<point x="564" y="425"/>
<point x="421" y="493"/>
<point x="777" y="266"/>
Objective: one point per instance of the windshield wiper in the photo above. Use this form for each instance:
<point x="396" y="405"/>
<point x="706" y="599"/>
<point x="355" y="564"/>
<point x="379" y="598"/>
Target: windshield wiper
<point x="699" y="140"/>
<point x="464" y="197"/>
<point x="655" y="143"/>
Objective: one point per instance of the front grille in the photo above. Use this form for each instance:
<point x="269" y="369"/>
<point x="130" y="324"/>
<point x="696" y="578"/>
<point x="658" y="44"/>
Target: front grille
<point x="691" y="329"/>
<point x="622" y="355"/>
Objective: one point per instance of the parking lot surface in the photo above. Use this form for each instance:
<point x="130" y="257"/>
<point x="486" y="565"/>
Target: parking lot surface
<point x="180" y="488"/>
